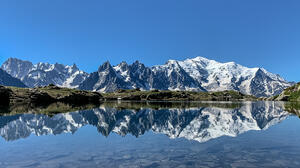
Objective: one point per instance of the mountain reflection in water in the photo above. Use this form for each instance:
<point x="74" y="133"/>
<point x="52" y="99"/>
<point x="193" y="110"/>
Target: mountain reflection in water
<point x="194" y="123"/>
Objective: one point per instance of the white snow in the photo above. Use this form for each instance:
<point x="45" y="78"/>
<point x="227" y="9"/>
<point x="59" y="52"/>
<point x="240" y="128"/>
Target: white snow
<point x="216" y="76"/>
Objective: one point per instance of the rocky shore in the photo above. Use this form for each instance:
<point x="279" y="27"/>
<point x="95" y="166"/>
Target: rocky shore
<point x="10" y="96"/>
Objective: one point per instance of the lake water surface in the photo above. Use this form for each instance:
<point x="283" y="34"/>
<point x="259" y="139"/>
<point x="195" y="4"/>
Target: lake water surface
<point x="248" y="134"/>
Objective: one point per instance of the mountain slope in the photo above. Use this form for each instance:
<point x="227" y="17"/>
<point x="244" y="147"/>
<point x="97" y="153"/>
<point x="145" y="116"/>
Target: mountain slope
<point x="8" y="80"/>
<point x="43" y="74"/>
<point x="136" y="74"/>
<point x="216" y="76"/>
<point x="175" y="77"/>
<point x="290" y="94"/>
<point x="105" y="79"/>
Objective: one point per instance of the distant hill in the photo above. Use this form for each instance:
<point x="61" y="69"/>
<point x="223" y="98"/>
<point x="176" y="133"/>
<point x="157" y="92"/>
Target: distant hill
<point x="8" y="80"/>
<point x="290" y="94"/>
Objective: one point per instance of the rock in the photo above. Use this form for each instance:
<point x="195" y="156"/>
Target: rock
<point x="82" y="98"/>
<point x="38" y="97"/>
<point x="4" y="95"/>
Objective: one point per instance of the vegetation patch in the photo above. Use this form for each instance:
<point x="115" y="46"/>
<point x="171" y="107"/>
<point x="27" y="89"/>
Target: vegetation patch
<point x="291" y="94"/>
<point x="177" y="95"/>
<point x="47" y="95"/>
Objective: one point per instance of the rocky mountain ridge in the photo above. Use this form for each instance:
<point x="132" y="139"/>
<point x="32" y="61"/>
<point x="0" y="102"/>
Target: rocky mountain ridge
<point x="43" y="74"/>
<point x="196" y="74"/>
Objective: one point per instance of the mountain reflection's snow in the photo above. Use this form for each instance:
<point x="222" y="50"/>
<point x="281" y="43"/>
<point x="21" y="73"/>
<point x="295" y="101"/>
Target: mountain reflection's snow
<point x="200" y="124"/>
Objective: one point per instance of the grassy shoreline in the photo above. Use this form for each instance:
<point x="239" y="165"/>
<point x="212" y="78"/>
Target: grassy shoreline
<point x="11" y="96"/>
<point x="136" y="94"/>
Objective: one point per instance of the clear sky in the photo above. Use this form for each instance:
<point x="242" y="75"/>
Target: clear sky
<point x="254" y="33"/>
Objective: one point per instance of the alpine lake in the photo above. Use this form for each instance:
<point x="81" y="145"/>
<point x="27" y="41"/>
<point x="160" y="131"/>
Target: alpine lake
<point x="152" y="134"/>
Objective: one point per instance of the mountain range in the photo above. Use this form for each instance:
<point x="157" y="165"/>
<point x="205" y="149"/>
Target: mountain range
<point x="200" y="124"/>
<point x="197" y="74"/>
<point x="42" y="74"/>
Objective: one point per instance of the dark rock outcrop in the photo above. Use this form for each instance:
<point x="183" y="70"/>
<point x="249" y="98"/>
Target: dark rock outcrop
<point x="4" y="95"/>
<point x="82" y="98"/>
<point x="39" y="98"/>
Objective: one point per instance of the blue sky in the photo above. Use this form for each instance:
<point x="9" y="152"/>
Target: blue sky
<point x="254" y="33"/>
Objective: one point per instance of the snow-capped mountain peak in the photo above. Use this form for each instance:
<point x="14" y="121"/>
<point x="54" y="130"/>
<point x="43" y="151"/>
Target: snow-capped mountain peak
<point x="216" y="76"/>
<point x="42" y="74"/>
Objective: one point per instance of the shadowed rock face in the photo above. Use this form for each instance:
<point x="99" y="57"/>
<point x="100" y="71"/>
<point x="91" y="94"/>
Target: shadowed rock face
<point x="4" y="96"/>
<point x="198" y="123"/>
<point x="104" y="80"/>
<point x="8" y="80"/>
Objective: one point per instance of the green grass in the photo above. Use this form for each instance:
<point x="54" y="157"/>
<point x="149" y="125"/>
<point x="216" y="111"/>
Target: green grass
<point x="48" y="94"/>
<point x="293" y="93"/>
<point x="53" y="91"/>
<point x="177" y="95"/>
